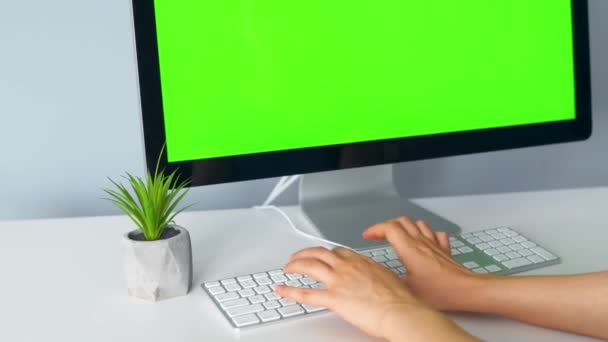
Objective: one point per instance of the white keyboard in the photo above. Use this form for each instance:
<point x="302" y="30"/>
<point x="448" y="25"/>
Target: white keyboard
<point x="249" y="300"/>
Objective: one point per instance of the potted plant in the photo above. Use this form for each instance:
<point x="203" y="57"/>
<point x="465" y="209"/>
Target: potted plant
<point x="158" y="255"/>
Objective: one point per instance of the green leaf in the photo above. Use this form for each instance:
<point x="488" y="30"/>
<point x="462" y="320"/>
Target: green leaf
<point x="150" y="203"/>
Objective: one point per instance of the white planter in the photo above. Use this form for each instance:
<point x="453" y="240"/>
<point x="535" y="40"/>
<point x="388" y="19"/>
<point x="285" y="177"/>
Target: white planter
<point x="160" y="269"/>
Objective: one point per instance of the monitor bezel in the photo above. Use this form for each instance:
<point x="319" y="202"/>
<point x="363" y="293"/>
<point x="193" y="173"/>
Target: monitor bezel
<point x="343" y="156"/>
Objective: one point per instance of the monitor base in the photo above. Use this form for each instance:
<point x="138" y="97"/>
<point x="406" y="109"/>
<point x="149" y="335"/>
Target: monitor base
<point x="342" y="204"/>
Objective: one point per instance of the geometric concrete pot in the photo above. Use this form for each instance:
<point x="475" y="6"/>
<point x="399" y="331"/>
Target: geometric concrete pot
<point x="161" y="269"/>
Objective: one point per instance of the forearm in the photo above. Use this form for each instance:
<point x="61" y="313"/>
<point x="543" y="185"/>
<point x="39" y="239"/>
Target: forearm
<point x="572" y="303"/>
<point x="423" y="325"/>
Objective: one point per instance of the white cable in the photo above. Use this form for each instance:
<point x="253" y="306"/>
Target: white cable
<point x="283" y="184"/>
<point x="297" y="230"/>
<point x="275" y="191"/>
<point x="288" y="183"/>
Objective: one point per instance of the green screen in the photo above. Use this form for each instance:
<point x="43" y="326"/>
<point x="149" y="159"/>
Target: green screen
<point x="250" y="76"/>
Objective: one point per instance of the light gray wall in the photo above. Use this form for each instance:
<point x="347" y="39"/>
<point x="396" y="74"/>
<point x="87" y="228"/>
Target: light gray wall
<point x="70" y="117"/>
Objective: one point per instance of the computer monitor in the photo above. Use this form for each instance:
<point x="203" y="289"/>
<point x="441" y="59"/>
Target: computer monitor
<point x="241" y="90"/>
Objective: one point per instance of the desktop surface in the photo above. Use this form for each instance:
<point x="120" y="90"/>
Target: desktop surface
<point x="62" y="279"/>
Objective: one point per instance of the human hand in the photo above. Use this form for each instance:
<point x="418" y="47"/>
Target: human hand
<point x="365" y="294"/>
<point x="357" y="289"/>
<point x="432" y="274"/>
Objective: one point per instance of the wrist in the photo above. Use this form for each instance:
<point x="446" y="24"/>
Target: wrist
<point x="420" y="323"/>
<point x="474" y="294"/>
<point x="402" y="318"/>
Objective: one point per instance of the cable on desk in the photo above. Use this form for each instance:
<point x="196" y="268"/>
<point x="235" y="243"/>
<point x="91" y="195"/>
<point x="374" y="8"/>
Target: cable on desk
<point x="282" y="185"/>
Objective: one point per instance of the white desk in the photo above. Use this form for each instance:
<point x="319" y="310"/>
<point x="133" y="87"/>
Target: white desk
<point x="62" y="280"/>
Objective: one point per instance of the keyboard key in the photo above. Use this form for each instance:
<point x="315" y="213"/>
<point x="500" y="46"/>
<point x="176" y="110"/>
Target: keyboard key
<point x="480" y="270"/>
<point x="273" y="304"/>
<point x="262" y="289"/>
<point x="247" y="284"/>
<point x="269" y="315"/>
<point x="260" y="275"/>
<point x="516" y="247"/>
<point x="470" y="264"/>
<point x="525" y="252"/>
<point x="212" y="284"/>
<point x="493" y="268"/>
<point x="495" y="244"/>
<point x="486" y="238"/>
<point x="482" y="236"/>
<point x="228" y="281"/>
<point x="263" y="281"/>
<point x="293" y="283"/>
<point x="233" y="287"/>
<point x="465" y="250"/>
<point x="257" y="299"/>
<point x="543" y="253"/>
<point x="536" y="259"/>
<point x="317" y="286"/>
<point x="378" y="252"/>
<point x="501" y="257"/>
<point x="379" y="258"/>
<point x="504" y="249"/>
<point x="246" y="293"/>
<point x="246" y="320"/>
<point x="394" y="263"/>
<point x="308" y="281"/>
<point x="401" y="270"/>
<point x="455" y="252"/>
<point x="293" y="276"/>
<point x="513" y="255"/>
<point x="312" y="308"/>
<point x="511" y="233"/>
<point x="457" y="244"/>
<point x="392" y="256"/>
<point x="278" y="278"/>
<point x="272" y="296"/>
<point x="483" y="246"/>
<point x="286" y="302"/>
<point x="491" y="252"/>
<point x="235" y="303"/>
<point x="519" y="239"/>
<point x="244" y="278"/>
<point x="292" y="310"/>
<point x="507" y="241"/>
<point x="216" y="290"/>
<point x="244" y="310"/>
<point x="528" y="244"/>
<point x="499" y="236"/>
<point x="227" y="296"/>
<point x="514" y="263"/>
<point x="473" y="240"/>
<point x="275" y="272"/>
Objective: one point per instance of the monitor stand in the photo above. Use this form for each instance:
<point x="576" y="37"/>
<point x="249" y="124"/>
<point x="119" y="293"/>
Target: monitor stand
<point x="342" y="204"/>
